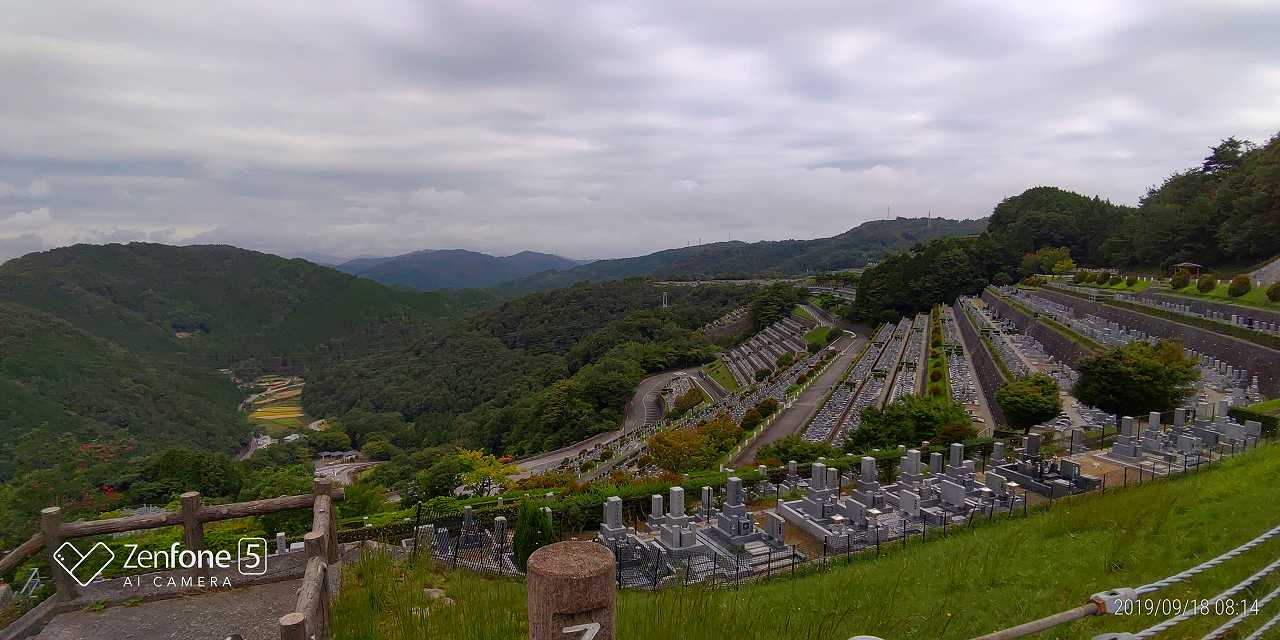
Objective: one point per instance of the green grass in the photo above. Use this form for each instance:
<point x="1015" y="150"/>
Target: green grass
<point x="818" y="336"/>
<point x="804" y="313"/>
<point x="976" y="580"/>
<point x="1256" y="297"/>
<point x="719" y="371"/>
<point x="1268" y="406"/>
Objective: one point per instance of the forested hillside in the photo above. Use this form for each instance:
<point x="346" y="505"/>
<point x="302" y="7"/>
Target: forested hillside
<point x="1224" y="213"/>
<point x="532" y="374"/>
<point x="56" y="379"/>
<point x="856" y="247"/>
<point x="453" y="268"/>
<point x="220" y="303"/>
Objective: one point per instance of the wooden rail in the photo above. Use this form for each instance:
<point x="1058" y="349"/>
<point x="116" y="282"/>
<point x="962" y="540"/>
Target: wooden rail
<point x="310" y="619"/>
<point x="311" y="616"/>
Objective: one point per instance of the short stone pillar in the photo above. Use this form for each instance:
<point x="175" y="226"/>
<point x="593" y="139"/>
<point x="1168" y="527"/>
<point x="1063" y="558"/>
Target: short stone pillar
<point x="571" y="592"/>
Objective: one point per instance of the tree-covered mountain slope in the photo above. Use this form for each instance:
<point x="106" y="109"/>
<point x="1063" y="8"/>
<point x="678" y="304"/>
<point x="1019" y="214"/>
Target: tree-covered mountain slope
<point x="856" y="247"/>
<point x="453" y="268"/>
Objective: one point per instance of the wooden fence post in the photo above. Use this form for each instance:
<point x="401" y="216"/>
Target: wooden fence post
<point x="571" y="592"/>
<point x="192" y="528"/>
<point x="322" y="488"/>
<point x="293" y="626"/>
<point x="51" y="527"/>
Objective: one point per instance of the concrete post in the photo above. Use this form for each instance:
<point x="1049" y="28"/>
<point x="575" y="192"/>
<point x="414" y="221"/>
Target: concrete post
<point x="571" y="592"/>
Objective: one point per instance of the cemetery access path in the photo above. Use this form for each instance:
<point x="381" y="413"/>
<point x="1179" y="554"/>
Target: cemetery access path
<point x="795" y="417"/>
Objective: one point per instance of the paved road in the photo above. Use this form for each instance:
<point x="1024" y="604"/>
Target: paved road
<point x="344" y="473"/>
<point x="794" y="418"/>
<point x="638" y="410"/>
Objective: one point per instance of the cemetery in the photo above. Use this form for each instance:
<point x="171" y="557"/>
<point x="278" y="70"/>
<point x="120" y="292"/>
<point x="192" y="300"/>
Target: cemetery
<point x="1197" y="436"/>
<point x="872" y="513"/>
<point x="849" y="397"/>
<point x="1041" y="474"/>
<point x="761" y="351"/>
<point x="720" y="542"/>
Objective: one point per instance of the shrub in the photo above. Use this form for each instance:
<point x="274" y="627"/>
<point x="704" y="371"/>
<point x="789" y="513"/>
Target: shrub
<point x="935" y="389"/>
<point x="1001" y="279"/>
<point x="534" y="529"/>
<point x="1206" y="283"/>
<point x="1131" y="280"/>
<point x="1081" y="277"/>
<point x="1240" y="285"/>
<point x="1115" y="279"/>
<point x="935" y="375"/>
<point x="1180" y="280"/>
<point x="1273" y="292"/>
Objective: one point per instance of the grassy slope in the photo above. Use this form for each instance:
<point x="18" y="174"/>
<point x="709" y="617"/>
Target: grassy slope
<point x="818" y="336"/>
<point x="720" y="372"/>
<point x="992" y="576"/>
<point x="1256" y="297"/>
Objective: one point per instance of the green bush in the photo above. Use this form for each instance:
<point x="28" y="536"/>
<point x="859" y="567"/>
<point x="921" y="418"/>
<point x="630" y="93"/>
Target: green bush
<point x="1180" y="280"/>
<point x="935" y="375"/>
<point x="1206" y="284"/>
<point x="1240" y="285"/>
<point x="1081" y="277"/>
<point x="1273" y="292"/>
<point x="534" y="529"/>
<point x="1115" y="279"/>
<point x="1131" y="280"/>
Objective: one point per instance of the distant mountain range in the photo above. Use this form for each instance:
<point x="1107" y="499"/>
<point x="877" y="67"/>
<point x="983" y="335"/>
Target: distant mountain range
<point x="431" y="270"/>
<point x="854" y="248"/>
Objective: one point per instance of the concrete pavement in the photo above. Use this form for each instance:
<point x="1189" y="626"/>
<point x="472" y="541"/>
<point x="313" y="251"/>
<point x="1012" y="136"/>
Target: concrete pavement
<point x="795" y="417"/>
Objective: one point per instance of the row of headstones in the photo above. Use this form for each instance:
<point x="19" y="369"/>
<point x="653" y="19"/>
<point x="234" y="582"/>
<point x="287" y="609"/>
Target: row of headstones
<point x="1209" y="426"/>
<point x="1236" y="319"/>
<point x="1234" y="374"/>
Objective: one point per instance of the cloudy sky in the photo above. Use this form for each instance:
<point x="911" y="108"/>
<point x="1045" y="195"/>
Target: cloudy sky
<point x="595" y="128"/>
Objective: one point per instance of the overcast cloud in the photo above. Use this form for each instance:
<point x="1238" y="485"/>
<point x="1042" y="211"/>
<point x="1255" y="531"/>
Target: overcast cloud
<point x="596" y="129"/>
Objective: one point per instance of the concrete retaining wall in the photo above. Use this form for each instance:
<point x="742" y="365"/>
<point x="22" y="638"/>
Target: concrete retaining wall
<point x="1056" y="344"/>
<point x="1200" y="306"/>
<point x="1257" y="360"/>
<point x="986" y="371"/>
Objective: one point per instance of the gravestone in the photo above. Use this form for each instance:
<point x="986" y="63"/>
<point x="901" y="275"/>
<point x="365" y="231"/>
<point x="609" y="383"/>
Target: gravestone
<point x="997" y="452"/>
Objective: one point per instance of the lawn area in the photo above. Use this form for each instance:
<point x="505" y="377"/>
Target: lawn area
<point x="1257" y="296"/>
<point x="804" y="313"/>
<point x="719" y="372"/>
<point x="977" y="580"/>
<point x="1268" y="406"/>
<point x="818" y="337"/>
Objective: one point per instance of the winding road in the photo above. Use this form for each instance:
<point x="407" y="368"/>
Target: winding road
<point x="644" y="408"/>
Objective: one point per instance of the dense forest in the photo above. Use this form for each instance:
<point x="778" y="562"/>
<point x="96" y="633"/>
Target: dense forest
<point x="1224" y="213"/>
<point x="856" y="247"/>
<point x="531" y="374"/>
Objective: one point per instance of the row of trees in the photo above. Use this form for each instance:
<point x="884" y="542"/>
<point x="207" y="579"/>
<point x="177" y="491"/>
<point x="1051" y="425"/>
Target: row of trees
<point x="1225" y="211"/>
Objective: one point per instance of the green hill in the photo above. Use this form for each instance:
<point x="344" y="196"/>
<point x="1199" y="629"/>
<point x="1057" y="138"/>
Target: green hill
<point x="59" y="380"/>
<point x="220" y="302"/>
<point x="856" y="247"/>
<point x="531" y="374"/>
<point x="453" y="268"/>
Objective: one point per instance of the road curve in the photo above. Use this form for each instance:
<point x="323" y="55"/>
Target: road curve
<point x="633" y="419"/>
<point x="795" y="417"/>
